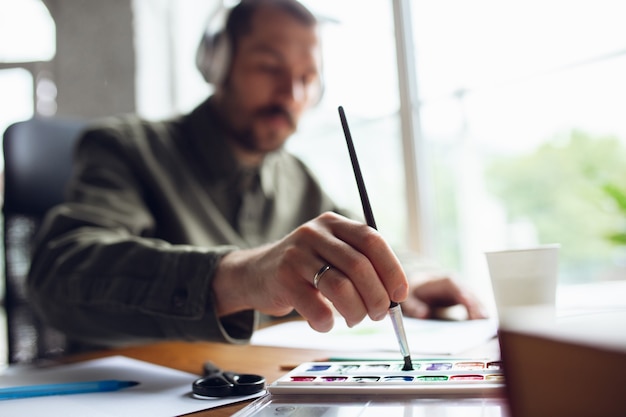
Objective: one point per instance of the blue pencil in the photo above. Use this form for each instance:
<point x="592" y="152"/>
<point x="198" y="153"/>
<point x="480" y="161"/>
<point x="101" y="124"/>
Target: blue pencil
<point x="29" y="391"/>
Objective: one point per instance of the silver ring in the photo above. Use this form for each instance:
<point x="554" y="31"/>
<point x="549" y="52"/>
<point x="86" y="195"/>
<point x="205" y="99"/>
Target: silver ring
<point x="320" y="274"/>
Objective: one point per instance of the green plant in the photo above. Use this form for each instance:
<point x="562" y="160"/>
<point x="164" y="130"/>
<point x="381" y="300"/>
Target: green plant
<point x="559" y="188"/>
<point x="618" y="196"/>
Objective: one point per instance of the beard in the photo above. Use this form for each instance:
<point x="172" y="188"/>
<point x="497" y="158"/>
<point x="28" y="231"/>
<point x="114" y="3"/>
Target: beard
<point x="248" y="137"/>
<point x="253" y="130"/>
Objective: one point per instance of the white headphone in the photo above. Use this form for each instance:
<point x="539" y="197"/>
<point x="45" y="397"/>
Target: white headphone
<point x="214" y="52"/>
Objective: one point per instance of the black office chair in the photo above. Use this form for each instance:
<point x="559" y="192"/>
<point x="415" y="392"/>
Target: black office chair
<point x="37" y="165"/>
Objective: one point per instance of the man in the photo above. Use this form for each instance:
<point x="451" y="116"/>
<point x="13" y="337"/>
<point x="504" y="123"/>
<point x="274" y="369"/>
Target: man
<point x="186" y="228"/>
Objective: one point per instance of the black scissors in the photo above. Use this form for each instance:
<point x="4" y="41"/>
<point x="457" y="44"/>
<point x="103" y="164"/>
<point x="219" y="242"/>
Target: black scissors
<point x="218" y="383"/>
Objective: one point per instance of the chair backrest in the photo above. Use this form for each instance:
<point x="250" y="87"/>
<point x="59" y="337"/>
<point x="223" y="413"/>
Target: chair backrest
<point x="38" y="157"/>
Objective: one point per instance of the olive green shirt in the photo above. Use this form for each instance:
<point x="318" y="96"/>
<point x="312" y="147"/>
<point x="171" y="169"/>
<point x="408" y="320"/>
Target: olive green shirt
<point x="151" y="209"/>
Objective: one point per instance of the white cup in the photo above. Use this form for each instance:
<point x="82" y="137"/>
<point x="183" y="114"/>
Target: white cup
<point x="524" y="277"/>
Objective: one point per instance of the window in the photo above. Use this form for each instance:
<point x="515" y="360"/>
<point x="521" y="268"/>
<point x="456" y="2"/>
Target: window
<point x="522" y="106"/>
<point x="31" y="30"/>
<point x="167" y="33"/>
<point x="17" y="103"/>
<point x="360" y="73"/>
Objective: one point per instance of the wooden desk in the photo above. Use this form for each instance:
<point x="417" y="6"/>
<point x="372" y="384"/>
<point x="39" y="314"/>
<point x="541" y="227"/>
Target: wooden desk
<point x="261" y="360"/>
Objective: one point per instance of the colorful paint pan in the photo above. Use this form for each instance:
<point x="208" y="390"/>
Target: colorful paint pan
<point x="470" y="366"/>
<point x="439" y="377"/>
<point x="439" y="366"/>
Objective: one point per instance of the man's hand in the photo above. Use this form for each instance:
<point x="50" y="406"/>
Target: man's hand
<point x="430" y="295"/>
<point x="365" y="274"/>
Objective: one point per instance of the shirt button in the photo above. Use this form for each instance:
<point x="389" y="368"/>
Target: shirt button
<point x="179" y="298"/>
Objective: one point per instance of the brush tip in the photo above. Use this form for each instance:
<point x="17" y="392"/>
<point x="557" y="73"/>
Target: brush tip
<point x="408" y="364"/>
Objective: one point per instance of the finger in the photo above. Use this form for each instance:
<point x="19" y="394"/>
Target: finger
<point x="439" y="292"/>
<point x="353" y="280"/>
<point x="354" y="286"/>
<point x="445" y="292"/>
<point x="294" y="291"/>
<point x="475" y="309"/>
<point x="381" y="258"/>
<point x="413" y="307"/>
<point x="314" y="308"/>
<point x="341" y="291"/>
<point x="295" y="286"/>
<point x="364" y="256"/>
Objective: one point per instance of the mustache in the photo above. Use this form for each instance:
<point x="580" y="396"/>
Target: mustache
<point x="277" y="110"/>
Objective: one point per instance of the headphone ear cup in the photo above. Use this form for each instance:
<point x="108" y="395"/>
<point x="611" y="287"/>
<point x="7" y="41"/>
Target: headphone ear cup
<point x="214" y="52"/>
<point x="213" y="57"/>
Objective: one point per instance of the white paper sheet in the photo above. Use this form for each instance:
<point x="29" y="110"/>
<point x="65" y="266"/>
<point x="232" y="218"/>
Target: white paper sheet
<point x="162" y="391"/>
<point x="425" y="337"/>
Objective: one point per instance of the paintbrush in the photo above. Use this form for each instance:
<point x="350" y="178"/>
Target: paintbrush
<point x="395" y="311"/>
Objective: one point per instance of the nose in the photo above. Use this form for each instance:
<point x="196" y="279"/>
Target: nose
<point x="292" y="90"/>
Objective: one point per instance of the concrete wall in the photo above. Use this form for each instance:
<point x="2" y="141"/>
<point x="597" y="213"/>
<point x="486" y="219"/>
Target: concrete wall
<point x="94" y="68"/>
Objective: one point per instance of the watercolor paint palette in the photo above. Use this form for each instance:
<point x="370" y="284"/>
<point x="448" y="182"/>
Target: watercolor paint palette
<point x="429" y="377"/>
